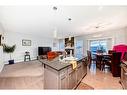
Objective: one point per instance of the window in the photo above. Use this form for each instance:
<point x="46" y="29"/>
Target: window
<point x="79" y="49"/>
<point x="98" y="45"/>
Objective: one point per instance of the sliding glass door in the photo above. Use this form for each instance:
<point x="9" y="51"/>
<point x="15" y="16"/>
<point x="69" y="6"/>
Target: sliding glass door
<point x="96" y="45"/>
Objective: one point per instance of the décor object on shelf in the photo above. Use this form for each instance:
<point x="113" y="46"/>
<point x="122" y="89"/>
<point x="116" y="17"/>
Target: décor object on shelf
<point x="10" y="50"/>
<point x="26" y="42"/>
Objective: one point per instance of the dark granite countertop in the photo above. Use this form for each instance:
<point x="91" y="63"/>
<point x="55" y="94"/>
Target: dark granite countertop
<point x="55" y="64"/>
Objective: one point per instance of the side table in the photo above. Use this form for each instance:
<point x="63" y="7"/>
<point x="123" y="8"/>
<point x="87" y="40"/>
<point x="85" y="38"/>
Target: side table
<point x="27" y="57"/>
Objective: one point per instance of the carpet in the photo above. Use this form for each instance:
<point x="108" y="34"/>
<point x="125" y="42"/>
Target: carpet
<point x="21" y="69"/>
<point x="83" y="86"/>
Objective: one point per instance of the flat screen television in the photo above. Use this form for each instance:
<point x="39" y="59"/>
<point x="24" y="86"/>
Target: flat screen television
<point x="43" y="50"/>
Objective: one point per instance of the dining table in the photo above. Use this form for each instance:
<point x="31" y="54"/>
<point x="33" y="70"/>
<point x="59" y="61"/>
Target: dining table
<point x="100" y="57"/>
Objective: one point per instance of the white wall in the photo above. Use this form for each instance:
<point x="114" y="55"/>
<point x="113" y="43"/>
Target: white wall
<point x="126" y="34"/>
<point x="119" y="36"/>
<point x="12" y="38"/>
<point x="1" y="59"/>
<point x="1" y="51"/>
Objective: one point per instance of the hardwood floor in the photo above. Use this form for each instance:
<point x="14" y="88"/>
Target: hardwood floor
<point x="101" y="79"/>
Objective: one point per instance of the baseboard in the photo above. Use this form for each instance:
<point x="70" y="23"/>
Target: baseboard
<point x="20" y="60"/>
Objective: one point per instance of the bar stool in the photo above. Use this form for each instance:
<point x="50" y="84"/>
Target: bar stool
<point x="27" y="56"/>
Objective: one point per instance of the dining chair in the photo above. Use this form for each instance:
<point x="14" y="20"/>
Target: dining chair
<point x="111" y="51"/>
<point x="107" y="60"/>
<point x="125" y="56"/>
<point x="90" y="59"/>
<point x="115" y="64"/>
<point x="99" y="61"/>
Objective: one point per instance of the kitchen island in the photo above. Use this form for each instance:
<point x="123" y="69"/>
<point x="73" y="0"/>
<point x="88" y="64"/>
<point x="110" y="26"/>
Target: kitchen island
<point x="61" y="75"/>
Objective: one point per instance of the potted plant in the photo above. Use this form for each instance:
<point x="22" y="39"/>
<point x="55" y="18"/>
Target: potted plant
<point x="10" y="50"/>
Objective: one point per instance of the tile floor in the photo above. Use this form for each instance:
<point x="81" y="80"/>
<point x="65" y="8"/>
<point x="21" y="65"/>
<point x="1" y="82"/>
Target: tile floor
<point x="101" y="79"/>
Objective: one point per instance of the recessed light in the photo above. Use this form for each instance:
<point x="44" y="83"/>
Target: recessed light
<point x="69" y="19"/>
<point x="97" y="27"/>
<point x="54" y="8"/>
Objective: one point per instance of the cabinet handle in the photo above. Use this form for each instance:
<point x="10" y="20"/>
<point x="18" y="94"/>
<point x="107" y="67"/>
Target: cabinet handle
<point x="125" y="74"/>
<point x="62" y="78"/>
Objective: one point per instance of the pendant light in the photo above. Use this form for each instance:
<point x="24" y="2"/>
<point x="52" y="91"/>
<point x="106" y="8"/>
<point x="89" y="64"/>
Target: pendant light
<point x="55" y="38"/>
<point x="69" y="38"/>
<point x="55" y="34"/>
<point x="69" y="19"/>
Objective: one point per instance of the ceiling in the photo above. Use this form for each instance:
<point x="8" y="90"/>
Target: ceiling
<point x="43" y="20"/>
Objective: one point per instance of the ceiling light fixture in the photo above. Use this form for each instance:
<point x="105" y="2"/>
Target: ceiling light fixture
<point x="69" y="38"/>
<point x="55" y="33"/>
<point x="54" y="8"/>
<point x="69" y="19"/>
<point x="97" y="27"/>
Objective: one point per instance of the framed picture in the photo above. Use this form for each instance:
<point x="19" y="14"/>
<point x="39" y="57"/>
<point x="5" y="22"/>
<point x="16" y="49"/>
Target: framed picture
<point x="26" y="42"/>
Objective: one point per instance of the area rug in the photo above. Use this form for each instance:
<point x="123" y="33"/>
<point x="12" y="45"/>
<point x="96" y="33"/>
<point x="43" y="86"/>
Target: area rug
<point x="83" y="86"/>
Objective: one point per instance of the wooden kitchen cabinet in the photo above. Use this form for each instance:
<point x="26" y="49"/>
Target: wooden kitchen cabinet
<point x="51" y="78"/>
<point x="71" y="78"/>
<point x="124" y="76"/>
<point x="65" y="78"/>
<point x="63" y="82"/>
<point x="79" y="71"/>
<point x="84" y="67"/>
